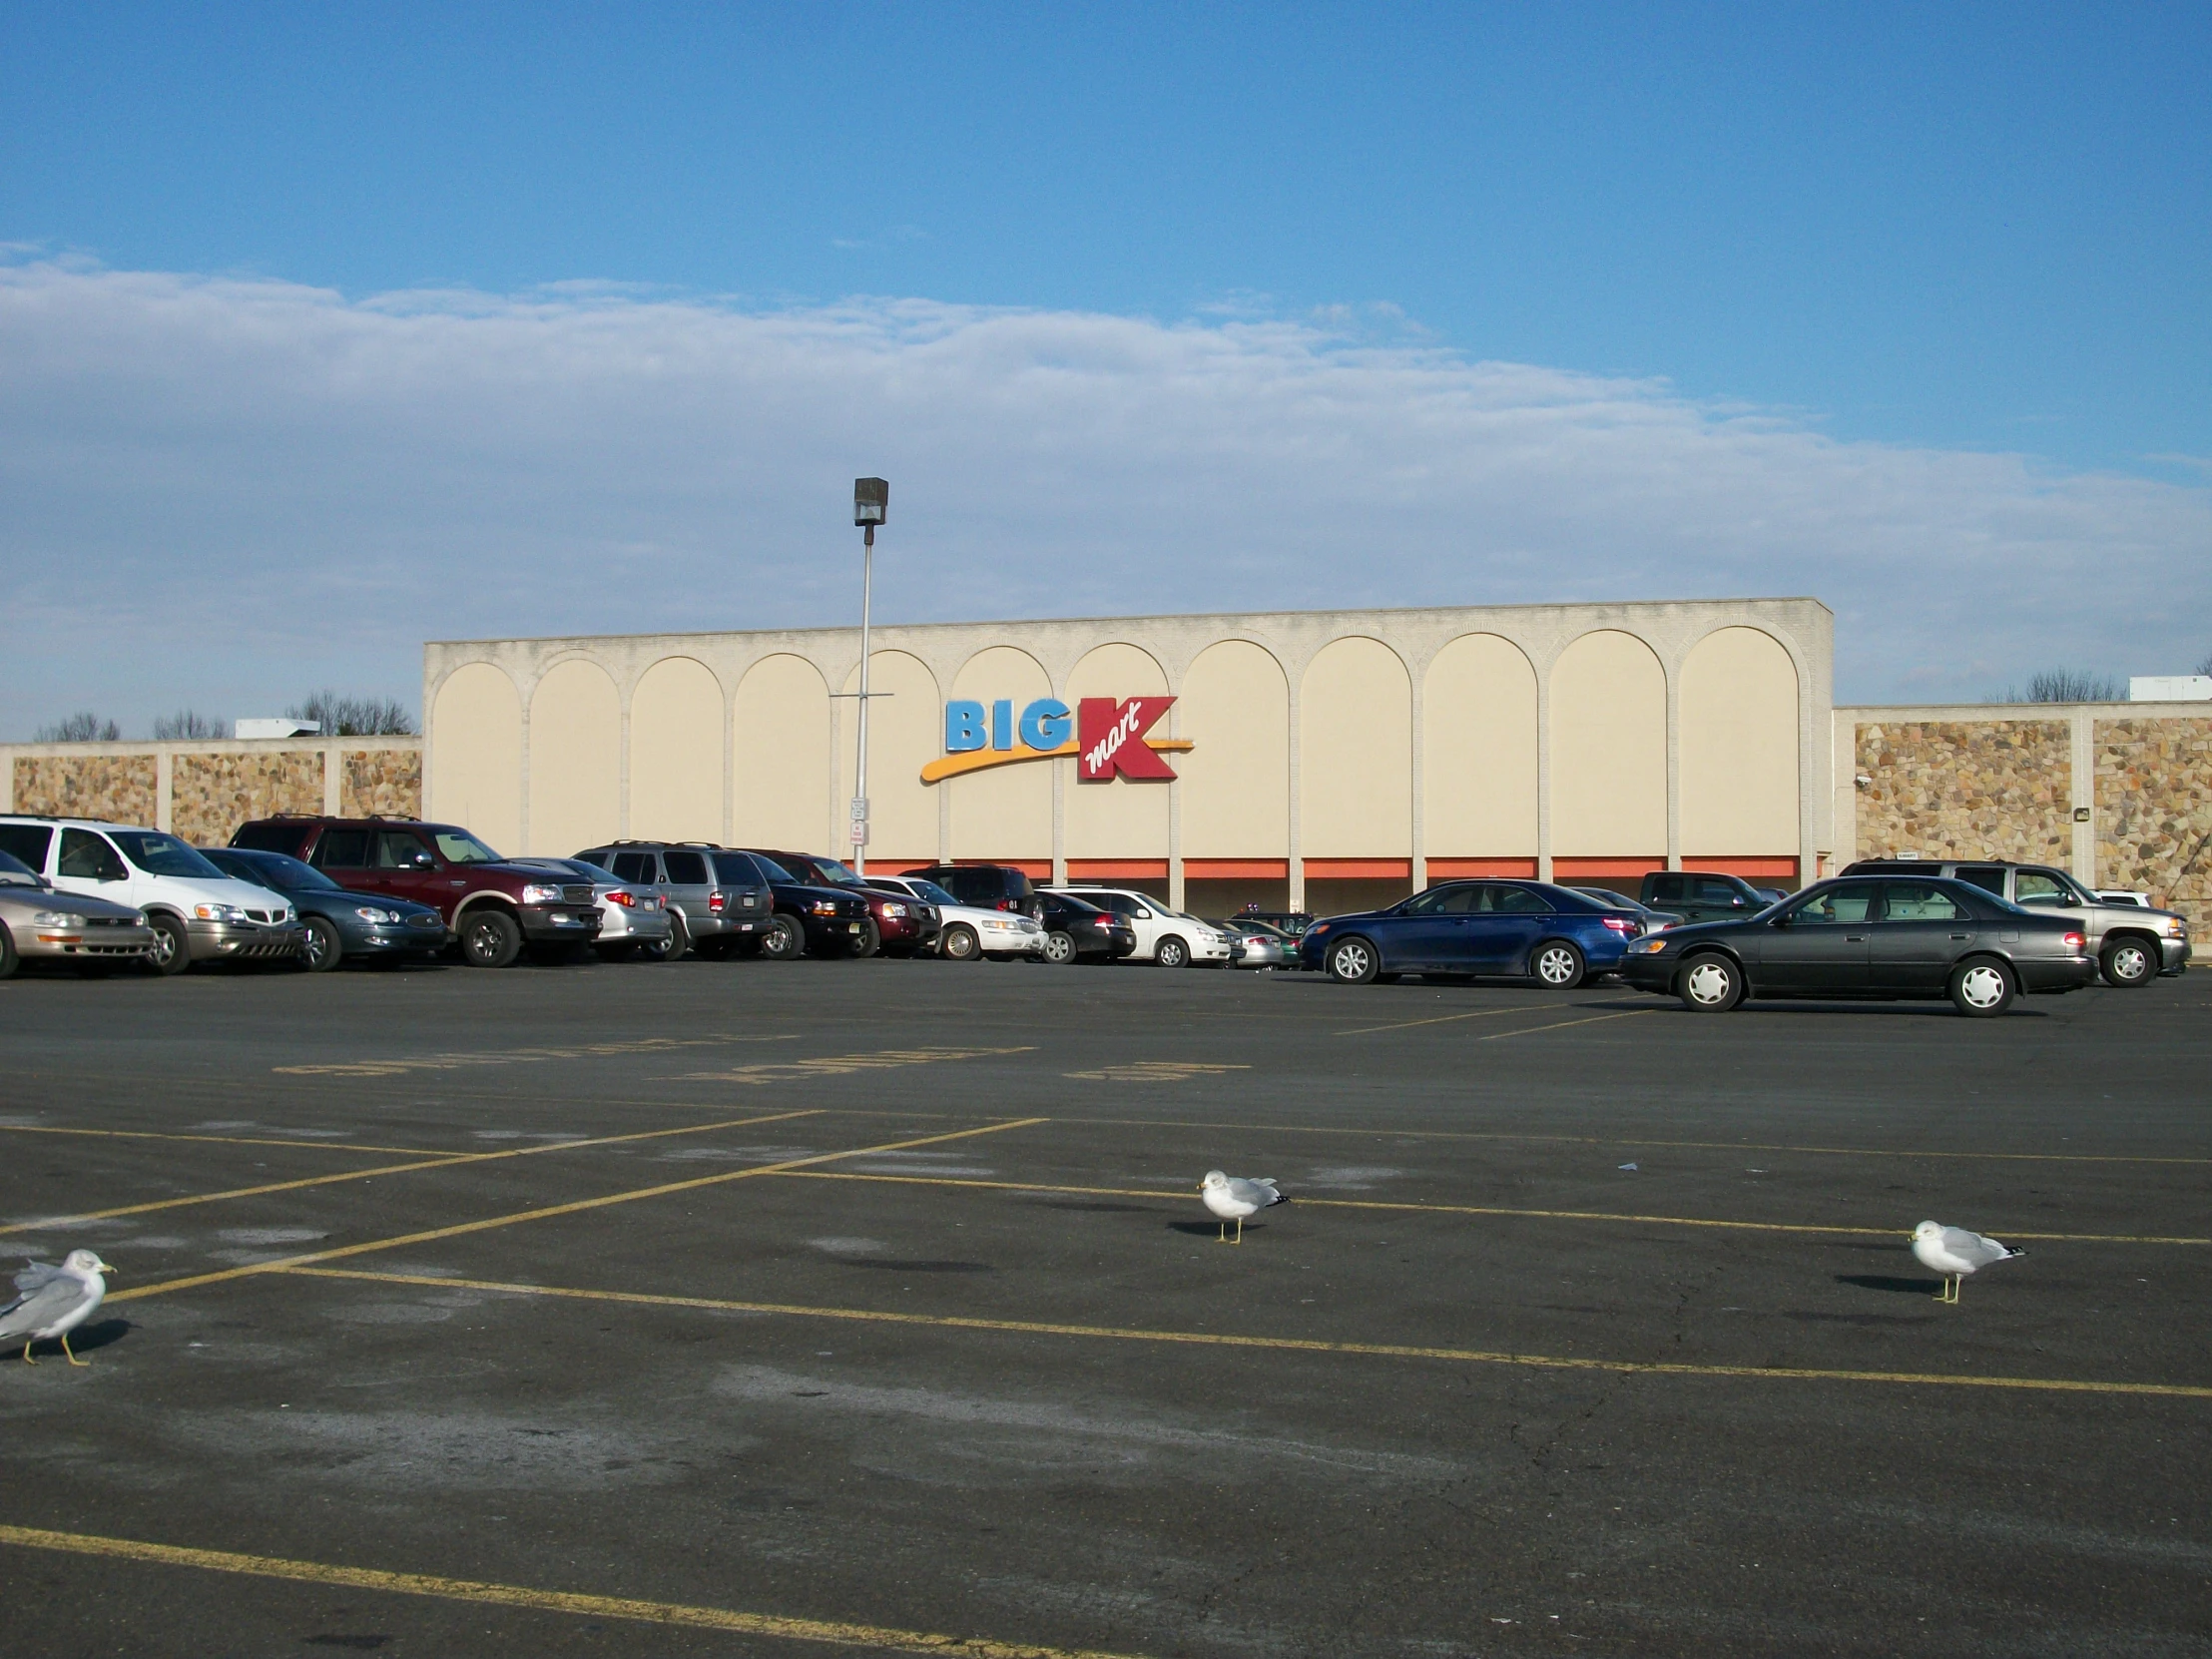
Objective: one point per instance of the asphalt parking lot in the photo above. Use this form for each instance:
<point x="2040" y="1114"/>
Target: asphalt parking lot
<point x="751" y="1308"/>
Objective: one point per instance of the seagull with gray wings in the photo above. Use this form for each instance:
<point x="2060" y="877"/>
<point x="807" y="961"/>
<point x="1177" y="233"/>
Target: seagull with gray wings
<point x="1232" y="1197"/>
<point x="52" y="1302"/>
<point x="1955" y="1252"/>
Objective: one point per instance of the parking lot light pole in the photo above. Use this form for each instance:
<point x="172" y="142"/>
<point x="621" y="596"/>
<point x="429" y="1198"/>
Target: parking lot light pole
<point x="870" y="497"/>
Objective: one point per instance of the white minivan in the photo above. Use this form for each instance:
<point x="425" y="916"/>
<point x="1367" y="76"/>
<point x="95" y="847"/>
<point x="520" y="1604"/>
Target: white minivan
<point x="1166" y="938"/>
<point x="197" y="913"/>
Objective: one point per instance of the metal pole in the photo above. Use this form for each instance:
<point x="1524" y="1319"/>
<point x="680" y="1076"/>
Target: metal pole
<point x="860" y="780"/>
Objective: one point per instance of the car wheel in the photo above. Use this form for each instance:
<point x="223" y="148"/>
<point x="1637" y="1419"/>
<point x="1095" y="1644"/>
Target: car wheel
<point x="1710" y="984"/>
<point x="1172" y="952"/>
<point x="781" y="941"/>
<point x="2129" y="962"/>
<point x="868" y="941"/>
<point x="1059" y="947"/>
<point x="679" y="938"/>
<point x="961" y="944"/>
<point x="323" y="949"/>
<point x="1558" y="966"/>
<point x="1353" y="961"/>
<point x="1981" y="987"/>
<point x="171" y="952"/>
<point x="490" y="939"/>
<point x="8" y="956"/>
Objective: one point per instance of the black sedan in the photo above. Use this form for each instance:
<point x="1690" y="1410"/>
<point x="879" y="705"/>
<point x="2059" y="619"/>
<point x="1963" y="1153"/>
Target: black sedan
<point x="339" y="924"/>
<point x="1077" y="931"/>
<point x="1861" y="936"/>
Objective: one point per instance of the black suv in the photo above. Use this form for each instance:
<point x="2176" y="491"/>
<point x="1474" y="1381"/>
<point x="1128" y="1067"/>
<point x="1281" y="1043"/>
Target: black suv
<point x="824" y="921"/>
<point x="986" y="887"/>
<point x="717" y="899"/>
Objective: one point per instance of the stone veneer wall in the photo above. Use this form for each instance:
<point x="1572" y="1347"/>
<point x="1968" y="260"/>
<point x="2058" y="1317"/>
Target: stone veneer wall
<point x="2154" y="811"/>
<point x="210" y="796"/>
<point x="1967" y="789"/>
<point x="124" y="787"/>
<point x="386" y="782"/>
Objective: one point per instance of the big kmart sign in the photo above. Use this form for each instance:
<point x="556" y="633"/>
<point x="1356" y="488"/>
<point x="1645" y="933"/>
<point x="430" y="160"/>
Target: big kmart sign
<point x="1107" y="738"/>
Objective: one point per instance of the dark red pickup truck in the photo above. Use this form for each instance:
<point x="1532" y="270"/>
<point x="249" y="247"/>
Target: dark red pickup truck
<point x="493" y="908"/>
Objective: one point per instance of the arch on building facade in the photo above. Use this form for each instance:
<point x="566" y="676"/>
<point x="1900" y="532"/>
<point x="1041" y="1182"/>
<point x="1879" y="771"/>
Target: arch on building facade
<point x="1235" y="707"/>
<point x="475" y="773"/>
<point x="1005" y="813"/>
<point x="1479" y="759"/>
<point x="1608" y="763"/>
<point x="1737" y="744"/>
<point x="780" y="788"/>
<point x="1355" y="731"/>
<point x="575" y="759"/>
<point x="676" y="753"/>
<point x="1122" y="825"/>
<point x="906" y="729"/>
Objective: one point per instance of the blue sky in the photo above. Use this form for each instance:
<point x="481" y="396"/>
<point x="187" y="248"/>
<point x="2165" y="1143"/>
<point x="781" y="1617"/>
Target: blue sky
<point x="1978" y="230"/>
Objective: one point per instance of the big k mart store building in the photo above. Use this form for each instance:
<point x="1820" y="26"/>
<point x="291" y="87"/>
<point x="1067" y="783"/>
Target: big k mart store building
<point x="1322" y="759"/>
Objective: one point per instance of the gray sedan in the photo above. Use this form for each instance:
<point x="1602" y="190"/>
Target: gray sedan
<point x="37" y="924"/>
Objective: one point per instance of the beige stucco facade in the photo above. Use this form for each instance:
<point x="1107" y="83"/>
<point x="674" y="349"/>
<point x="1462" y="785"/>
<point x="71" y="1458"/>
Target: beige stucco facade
<point x="1368" y="750"/>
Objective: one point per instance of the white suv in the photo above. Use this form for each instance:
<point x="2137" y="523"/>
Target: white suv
<point x="197" y="913"/>
<point x="1166" y="938"/>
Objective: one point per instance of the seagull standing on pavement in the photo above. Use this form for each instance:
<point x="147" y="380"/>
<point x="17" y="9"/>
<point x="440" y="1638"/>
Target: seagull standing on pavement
<point x="52" y="1302"/>
<point x="1955" y="1252"/>
<point x="1232" y="1197"/>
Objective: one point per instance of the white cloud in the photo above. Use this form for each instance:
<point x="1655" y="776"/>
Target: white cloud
<point x="226" y="491"/>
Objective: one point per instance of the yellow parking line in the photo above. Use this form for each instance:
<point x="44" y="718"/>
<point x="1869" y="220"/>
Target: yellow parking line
<point x="490" y="1223"/>
<point x="1440" y="1019"/>
<point x="220" y="1140"/>
<point x="446" y="1162"/>
<point x="1181" y="1194"/>
<point x="834" y="1633"/>
<point x="1376" y="1131"/>
<point x="400" y="1066"/>
<point x="1286" y="1345"/>
<point x="1594" y="1019"/>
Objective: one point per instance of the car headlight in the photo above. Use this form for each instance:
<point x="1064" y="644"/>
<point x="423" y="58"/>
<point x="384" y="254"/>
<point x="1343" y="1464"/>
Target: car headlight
<point x="895" y="909"/>
<point x="218" y="913"/>
<point x="368" y="912"/>
<point x="997" y="925"/>
<point x="1651" y="945"/>
<point x="823" y="907"/>
<point x="539" y="894"/>
<point x="2176" y="929"/>
<point x="56" y="918"/>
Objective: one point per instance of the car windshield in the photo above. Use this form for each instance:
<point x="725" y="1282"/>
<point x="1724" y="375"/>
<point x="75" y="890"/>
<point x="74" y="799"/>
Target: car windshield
<point x="286" y="873"/>
<point x="929" y="890"/>
<point x="159" y="855"/>
<point x="14" y="872"/>
<point x="831" y="873"/>
<point x="458" y="847"/>
<point x="1076" y="906"/>
<point x="772" y="869"/>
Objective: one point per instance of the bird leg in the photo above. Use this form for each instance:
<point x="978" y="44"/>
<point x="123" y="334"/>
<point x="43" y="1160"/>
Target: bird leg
<point x="1239" y="1238"/>
<point x="27" y="1360"/>
<point x="1221" y="1235"/>
<point x="71" y="1357"/>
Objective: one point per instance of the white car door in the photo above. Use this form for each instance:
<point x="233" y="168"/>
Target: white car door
<point x="88" y="863"/>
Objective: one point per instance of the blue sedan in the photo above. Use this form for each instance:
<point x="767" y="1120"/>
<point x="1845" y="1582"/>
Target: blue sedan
<point x="1531" y="930"/>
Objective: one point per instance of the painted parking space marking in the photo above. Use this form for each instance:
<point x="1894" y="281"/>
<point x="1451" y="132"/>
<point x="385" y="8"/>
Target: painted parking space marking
<point x="835" y="1634"/>
<point x="840" y="1065"/>
<point x="220" y="1140"/>
<point x="545" y="1212"/>
<point x="443" y="1161"/>
<point x="1561" y="1025"/>
<point x="1440" y="1019"/>
<point x="1281" y="1345"/>
<point x="1182" y="1194"/>
<point x="1154" y="1071"/>
<point x="523" y="1056"/>
<point x="1379" y="1131"/>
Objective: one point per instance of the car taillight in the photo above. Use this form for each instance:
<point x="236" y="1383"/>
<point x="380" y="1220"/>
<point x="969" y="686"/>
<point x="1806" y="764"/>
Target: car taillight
<point x="715" y="900"/>
<point x="2077" y="941"/>
<point x="625" y="899"/>
<point x="1620" y="924"/>
<point x="1007" y="904"/>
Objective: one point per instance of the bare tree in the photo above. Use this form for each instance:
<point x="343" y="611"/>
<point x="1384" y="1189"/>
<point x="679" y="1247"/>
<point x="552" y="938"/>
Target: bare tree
<point x="189" y="723"/>
<point x="355" y="717"/>
<point x="2067" y="685"/>
<point x="82" y="727"/>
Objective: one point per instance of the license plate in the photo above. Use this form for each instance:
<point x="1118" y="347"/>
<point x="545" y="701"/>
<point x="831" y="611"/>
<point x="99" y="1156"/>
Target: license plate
<point x="852" y="928"/>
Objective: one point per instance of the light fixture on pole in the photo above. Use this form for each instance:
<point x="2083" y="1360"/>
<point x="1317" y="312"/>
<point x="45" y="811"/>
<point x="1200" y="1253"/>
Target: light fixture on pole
<point x="870" y="497"/>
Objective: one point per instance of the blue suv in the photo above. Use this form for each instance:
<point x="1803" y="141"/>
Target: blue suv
<point x="1462" y="928"/>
